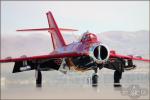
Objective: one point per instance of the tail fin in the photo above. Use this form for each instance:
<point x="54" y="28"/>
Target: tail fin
<point x="53" y="29"/>
<point x="57" y="39"/>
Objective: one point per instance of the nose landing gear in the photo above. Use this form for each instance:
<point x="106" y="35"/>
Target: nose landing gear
<point x="95" y="78"/>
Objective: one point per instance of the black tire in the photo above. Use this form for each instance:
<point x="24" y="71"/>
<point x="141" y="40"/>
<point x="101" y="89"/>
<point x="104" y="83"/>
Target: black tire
<point x="95" y="80"/>
<point x="39" y="79"/>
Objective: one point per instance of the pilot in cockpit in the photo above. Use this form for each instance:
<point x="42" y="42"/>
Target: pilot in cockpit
<point x="89" y="37"/>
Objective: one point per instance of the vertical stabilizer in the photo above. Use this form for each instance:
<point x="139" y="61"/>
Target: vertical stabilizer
<point x="56" y="35"/>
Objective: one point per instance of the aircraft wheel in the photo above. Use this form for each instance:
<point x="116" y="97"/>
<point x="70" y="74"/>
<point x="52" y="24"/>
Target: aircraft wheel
<point x="94" y="80"/>
<point x="117" y="77"/>
<point x="38" y="78"/>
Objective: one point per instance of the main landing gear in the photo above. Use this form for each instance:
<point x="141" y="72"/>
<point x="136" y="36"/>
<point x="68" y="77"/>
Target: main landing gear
<point x="117" y="77"/>
<point x="38" y="76"/>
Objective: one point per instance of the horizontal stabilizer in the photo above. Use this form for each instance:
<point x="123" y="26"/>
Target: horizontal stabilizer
<point x="47" y="29"/>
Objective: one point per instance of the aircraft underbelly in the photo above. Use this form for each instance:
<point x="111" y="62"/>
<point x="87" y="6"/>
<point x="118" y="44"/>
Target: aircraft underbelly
<point x="83" y="63"/>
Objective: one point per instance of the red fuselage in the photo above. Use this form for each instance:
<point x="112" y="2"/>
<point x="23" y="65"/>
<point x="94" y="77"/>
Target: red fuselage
<point x="95" y="52"/>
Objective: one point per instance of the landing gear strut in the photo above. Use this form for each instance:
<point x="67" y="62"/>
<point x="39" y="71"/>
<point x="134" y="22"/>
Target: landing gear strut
<point x="117" y="77"/>
<point x="95" y="78"/>
<point x="38" y="78"/>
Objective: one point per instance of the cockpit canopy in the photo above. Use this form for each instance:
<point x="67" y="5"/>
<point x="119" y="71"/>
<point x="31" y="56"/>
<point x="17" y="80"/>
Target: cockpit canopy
<point x="89" y="37"/>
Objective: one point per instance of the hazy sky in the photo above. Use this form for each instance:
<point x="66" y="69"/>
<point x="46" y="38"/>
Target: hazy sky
<point x="95" y="16"/>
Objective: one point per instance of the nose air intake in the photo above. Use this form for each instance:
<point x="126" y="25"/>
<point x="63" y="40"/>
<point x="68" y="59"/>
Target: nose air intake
<point x="100" y="53"/>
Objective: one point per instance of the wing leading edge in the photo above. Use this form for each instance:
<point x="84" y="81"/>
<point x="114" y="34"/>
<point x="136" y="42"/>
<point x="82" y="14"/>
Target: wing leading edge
<point x="128" y="57"/>
<point x="52" y="55"/>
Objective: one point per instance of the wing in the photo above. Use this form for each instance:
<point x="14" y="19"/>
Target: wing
<point x="114" y="55"/>
<point x="51" y="55"/>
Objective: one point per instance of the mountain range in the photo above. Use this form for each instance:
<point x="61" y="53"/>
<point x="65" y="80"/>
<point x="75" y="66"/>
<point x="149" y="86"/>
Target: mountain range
<point x="136" y="43"/>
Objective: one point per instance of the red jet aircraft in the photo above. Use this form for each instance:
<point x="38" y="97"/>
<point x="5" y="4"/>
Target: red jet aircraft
<point x="87" y="54"/>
